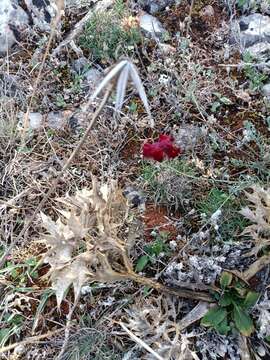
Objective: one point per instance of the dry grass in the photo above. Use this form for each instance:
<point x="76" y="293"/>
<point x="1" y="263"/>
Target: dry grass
<point x="132" y="316"/>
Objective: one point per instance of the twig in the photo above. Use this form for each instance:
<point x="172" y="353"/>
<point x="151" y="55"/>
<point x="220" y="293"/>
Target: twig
<point x="187" y="294"/>
<point x="67" y="329"/>
<point x="255" y="267"/>
<point x="32" y="339"/>
<point x="60" y="175"/>
<point x="242" y="64"/>
<point x="188" y="19"/>
<point x="140" y="342"/>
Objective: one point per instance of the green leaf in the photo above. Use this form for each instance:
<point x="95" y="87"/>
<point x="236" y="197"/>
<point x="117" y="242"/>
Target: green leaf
<point x="223" y="99"/>
<point x="225" y="279"/>
<point x="214" y="316"/>
<point x="240" y="289"/>
<point x="43" y="301"/>
<point x="142" y="262"/>
<point x="243" y="321"/>
<point x="215" y="106"/>
<point x="146" y="290"/>
<point x="250" y="300"/>
<point x="223" y="328"/>
<point x="225" y="300"/>
<point x="4" y="335"/>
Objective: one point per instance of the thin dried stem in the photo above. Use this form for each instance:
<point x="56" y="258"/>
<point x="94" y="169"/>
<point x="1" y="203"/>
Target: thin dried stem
<point x="140" y="342"/>
<point x="30" y="340"/>
<point x="60" y="175"/>
<point x="67" y="329"/>
<point x="187" y="294"/>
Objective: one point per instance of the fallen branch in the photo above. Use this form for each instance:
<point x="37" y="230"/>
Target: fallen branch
<point x="187" y="294"/>
<point x="255" y="267"/>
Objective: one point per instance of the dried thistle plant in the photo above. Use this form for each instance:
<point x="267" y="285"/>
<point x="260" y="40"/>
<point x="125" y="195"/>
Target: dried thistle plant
<point x="259" y="214"/>
<point x="121" y="73"/>
<point x="86" y="243"/>
<point x="91" y="223"/>
<point x="155" y="323"/>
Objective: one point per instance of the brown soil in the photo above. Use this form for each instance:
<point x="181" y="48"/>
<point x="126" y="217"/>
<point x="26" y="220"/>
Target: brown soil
<point x="156" y="217"/>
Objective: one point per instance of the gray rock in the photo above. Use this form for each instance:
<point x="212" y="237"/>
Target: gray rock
<point x="92" y="77"/>
<point x="151" y="26"/>
<point x="56" y="120"/>
<point x="79" y="65"/>
<point x="35" y="120"/>
<point x="254" y="28"/>
<point x="9" y="85"/>
<point x="13" y="20"/>
<point x="42" y="12"/>
<point x="252" y="34"/>
<point x="260" y="51"/>
<point x="134" y="197"/>
<point x="154" y="6"/>
<point x="266" y="90"/>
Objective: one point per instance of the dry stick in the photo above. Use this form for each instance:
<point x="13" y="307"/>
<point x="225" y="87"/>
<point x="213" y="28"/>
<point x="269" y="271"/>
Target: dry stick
<point x="187" y="294"/>
<point x="188" y="19"/>
<point x="67" y="329"/>
<point x="59" y="176"/>
<point x="141" y="342"/>
<point x="255" y="267"/>
<point x="33" y="339"/>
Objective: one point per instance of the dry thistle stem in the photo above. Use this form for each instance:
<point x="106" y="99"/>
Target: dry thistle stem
<point x="121" y="73"/>
<point x="259" y="214"/>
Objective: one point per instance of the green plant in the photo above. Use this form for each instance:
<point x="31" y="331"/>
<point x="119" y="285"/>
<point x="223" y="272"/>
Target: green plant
<point x="133" y="107"/>
<point x="23" y="272"/>
<point x="169" y="183"/>
<point x="11" y="325"/>
<point x="220" y="101"/>
<point x="234" y="302"/>
<point x="90" y="343"/>
<point x="260" y="163"/>
<point x="60" y="101"/>
<point x="107" y="36"/>
<point x="231" y="223"/>
<point x="256" y="78"/>
<point x="153" y="250"/>
<point x="214" y="200"/>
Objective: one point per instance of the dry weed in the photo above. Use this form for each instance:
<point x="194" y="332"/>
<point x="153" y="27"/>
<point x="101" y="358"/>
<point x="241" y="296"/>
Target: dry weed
<point x="258" y="213"/>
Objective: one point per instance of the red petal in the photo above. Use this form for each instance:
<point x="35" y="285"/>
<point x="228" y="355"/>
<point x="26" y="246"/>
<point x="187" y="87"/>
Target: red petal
<point x="165" y="138"/>
<point x="158" y="150"/>
<point x="153" y="151"/>
<point x="172" y="152"/>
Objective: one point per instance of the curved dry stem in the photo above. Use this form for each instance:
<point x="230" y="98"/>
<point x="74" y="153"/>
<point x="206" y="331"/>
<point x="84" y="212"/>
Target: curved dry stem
<point x="187" y="294"/>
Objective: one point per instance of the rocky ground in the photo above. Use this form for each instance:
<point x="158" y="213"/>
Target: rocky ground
<point x="167" y="257"/>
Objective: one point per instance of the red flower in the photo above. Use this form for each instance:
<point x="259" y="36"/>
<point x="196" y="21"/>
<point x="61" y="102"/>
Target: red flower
<point x="162" y="148"/>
